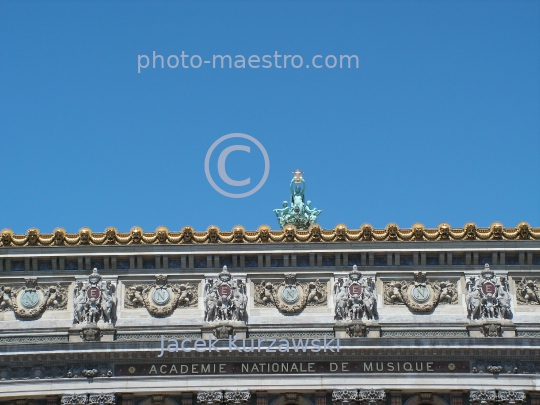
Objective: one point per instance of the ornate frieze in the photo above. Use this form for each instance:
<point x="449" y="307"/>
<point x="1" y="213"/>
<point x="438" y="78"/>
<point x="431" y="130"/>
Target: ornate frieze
<point x="94" y="300"/>
<point x="237" y="397"/>
<point x="102" y="399"/>
<point x="371" y="397"/>
<point x="420" y="295"/>
<point x="210" y="397"/>
<point x="500" y="397"/>
<point x="85" y="236"/>
<point x="161" y="298"/>
<point x="32" y="299"/>
<point x="355" y="297"/>
<point x="344" y="397"/>
<point x="74" y="399"/>
<point x="51" y="372"/>
<point x="527" y="292"/>
<point x="225" y="299"/>
<point x="290" y="296"/>
<point x="488" y="296"/>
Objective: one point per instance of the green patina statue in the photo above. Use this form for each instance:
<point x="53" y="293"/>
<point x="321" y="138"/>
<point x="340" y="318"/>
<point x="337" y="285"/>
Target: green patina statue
<point x="299" y="213"/>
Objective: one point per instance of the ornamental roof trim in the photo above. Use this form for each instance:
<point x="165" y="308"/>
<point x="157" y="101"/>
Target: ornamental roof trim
<point x="315" y="233"/>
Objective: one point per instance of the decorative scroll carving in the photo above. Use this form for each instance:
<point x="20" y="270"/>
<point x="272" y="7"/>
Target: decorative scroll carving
<point x="187" y="235"/>
<point x="511" y="397"/>
<point x="344" y="397"/>
<point x="289" y="296"/>
<point x="482" y="397"/>
<point x="223" y="331"/>
<point x="102" y="399"/>
<point x="420" y="295"/>
<point x="94" y="300"/>
<point x="355" y="297"/>
<point x="357" y="330"/>
<point x="488" y="296"/>
<point x="527" y="292"/>
<point x="492" y="330"/>
<point x="75" y="399"/>
<point x="371" y="397"/>
<point x="237" y="397"/>
<point x="210" y="397"/>
<point x="225" y="299"/>
<point x="161" y="298"/>
<point x="31" y="300"/>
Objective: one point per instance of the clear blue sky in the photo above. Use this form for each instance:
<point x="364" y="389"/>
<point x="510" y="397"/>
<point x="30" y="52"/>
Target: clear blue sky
<point x="440" y="122"/>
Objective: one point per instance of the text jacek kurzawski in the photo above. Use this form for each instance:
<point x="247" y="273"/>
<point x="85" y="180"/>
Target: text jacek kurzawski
<point x="250" y="345"/>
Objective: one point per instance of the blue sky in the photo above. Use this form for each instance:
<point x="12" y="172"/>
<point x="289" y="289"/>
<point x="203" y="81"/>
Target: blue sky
<point x="439" y="123"/>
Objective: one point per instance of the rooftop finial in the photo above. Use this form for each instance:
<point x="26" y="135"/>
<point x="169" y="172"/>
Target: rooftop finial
<point x="298" y="213"/>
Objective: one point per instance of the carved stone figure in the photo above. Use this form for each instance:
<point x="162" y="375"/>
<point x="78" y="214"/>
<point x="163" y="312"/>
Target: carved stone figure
<point x="488" y="296"/>
<point x="420" y="294"/>
<point x="492" y="330"/>
<point x="357" y="330"/>
<point x="290" y="296"/>
<point x="225" y="299"/>
<point x="160" y="297"/>
<point x="527" y="292"/>
<point x="355" y="297"/>
<point x="299" y="213"/>
<point x="94" y="300"/>
<point x="31" y="300"/>
<point x="223" y="331"/>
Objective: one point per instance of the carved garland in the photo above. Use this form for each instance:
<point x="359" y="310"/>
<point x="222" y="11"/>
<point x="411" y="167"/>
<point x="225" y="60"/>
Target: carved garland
<point x="264" y="234"/>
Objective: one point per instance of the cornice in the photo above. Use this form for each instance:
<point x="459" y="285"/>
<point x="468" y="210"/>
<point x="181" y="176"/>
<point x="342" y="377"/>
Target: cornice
<point x="213" y="235"/>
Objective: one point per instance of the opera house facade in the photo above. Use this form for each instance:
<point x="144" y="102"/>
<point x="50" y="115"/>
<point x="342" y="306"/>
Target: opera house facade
<point x="295" y="316"/>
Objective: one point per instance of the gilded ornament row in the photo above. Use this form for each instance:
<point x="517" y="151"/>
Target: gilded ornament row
<point x="264" y="234"/>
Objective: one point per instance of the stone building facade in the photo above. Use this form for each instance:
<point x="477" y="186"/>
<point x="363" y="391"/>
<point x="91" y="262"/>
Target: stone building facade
<point x="444" y="316"/>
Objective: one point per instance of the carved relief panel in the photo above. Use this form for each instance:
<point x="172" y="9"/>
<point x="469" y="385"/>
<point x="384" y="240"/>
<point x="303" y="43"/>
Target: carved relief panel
<point x="161" y="298"/>
<point x="32" y="299"/>
<point x="488" y="296"/>
<point x="355" y="297"/>
<point x="420" y="294"/>
<point x="94" y="300"/>
<point x="225" y="298"/>
<point x="289" y="295"/>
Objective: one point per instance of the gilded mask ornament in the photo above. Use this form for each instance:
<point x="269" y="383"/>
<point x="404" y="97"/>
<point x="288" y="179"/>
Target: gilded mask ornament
<point x="187" y="233"/>
<point x="341" y="232"/>
<point x="161" y="298"/>
<point x="497" y="230"/>
<point x="355" y="297"/>
<point x="264" y="234"/>
<point x="110" y="235"/>
<point x="420" y="295"/>
<point x="488" y="296"/>
<point x="290" y="233"/>
<point x="33" y="236"/>
<point x="162" y="234"/>
<point x="84" y="236"/>
<point x="392" y="230"/>
<point x="6" y="237"/>
<point x="444" y="231"/>
<point x="213" y="234"/>
<point x="289" y="296"/>
<point x="418" y="231"/>
<point x="59" y="236"/>
<point x="136" y="235"/>
<point x="238" y="234"/>
<point x="470" y="231"/>
<point x="316" y="232"/>
<point x="523" y="229"/>
<point x="367" y="232"/>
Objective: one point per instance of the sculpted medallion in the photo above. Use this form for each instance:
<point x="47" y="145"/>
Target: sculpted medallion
<point x="488" y="296"/>
<point x="420" y="295"/>
<point x="160" y="297"/>
<point x="355" y="297"/>
<point x="527" y="292"/>
<point x="289" y="296"/>
<point x="225" y="299"/>
<point x="31" y="300"/>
